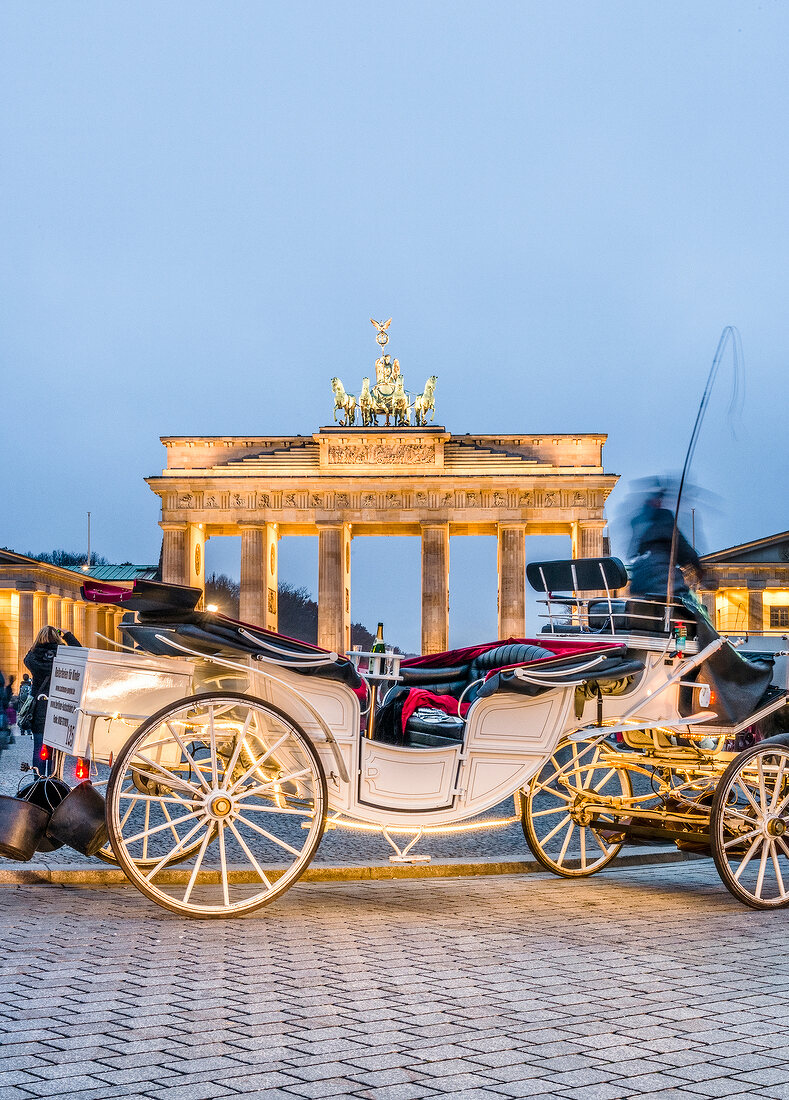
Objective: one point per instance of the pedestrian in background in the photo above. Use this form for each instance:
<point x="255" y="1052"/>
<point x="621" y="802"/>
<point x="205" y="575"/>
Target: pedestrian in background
<point x="39" y="660"/>
<point x="25" y="691"/>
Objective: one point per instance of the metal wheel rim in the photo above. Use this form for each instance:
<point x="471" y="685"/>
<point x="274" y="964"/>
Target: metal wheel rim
<point x="750" y="827"/>
<point x="560" y="829"/>
<point x="245" y="801"/>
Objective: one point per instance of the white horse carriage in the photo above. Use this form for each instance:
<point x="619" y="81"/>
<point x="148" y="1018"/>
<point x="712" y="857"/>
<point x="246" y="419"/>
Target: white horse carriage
<point x="232" y="749"/>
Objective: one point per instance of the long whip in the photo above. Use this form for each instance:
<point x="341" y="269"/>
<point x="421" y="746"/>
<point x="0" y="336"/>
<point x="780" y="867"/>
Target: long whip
<point x="730" y="333"/>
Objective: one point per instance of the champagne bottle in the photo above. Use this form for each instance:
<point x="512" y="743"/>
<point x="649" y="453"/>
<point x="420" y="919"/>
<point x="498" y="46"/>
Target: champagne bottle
<point x="379" y="646"/>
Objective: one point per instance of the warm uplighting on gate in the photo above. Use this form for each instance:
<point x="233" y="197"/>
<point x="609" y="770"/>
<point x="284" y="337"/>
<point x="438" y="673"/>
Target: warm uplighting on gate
<point x="83" y="768"/>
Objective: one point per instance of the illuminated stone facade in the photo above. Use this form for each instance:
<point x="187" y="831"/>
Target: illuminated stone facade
<point x="746" y="587"/>
<point x="341" y="483"/>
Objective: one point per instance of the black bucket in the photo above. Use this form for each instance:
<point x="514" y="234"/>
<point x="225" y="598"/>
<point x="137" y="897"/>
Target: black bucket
<point x="46" y="792"/>
<point x="79" y="820"/>
<point x="22" y="828"/>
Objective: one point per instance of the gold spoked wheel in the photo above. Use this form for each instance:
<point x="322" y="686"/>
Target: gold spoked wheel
<point x="575" y="784"/>
<point x="216" y="805"/>
<point x="750" y="826"/>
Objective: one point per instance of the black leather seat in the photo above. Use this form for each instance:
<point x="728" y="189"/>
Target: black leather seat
<point x="430" y="727"/>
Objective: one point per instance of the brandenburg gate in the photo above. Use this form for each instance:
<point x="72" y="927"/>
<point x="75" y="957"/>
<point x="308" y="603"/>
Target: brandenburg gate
<point x="350" y="480"/>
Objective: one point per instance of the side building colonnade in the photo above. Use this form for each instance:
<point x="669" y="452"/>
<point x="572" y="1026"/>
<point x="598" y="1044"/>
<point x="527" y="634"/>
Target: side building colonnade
<point x="33" y="595"/>
<point x="344" y="483"/>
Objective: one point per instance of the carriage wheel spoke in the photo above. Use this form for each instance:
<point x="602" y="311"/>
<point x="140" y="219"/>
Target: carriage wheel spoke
<point x="249" y="855"/>
<point x="556" y="829"/>
<point x="749" y="796"/>
<point x="566" y="844"/>
<point x="762" y="865"/>
<point x="762" y="787"/>
<point x="269" y="836"/>
<point x="192" y="762"/>
<point x="748" y="856"/>
<point x="240" y="742"/>
<point x="197" y="866"/>
<point x="173" y="780"/>
<point x="741" y="839"/>
<point x="173" y="829"/>
<point x="146" y="832"/>
<point x="749" y="819"/>
<point x="777" y="869"/>
<point x="223" y="864"/>
<point x="778" y="782"/>
<point x="174" y="851"/>
<point x="258" y="762"/>
<point x="599" y="841"/>
<point x="212" y="739"/>
<point x="553" y="810"/>
<point x="543" y="788"/>
<point x="263" y="787"/>
<point x="583" y="848"/>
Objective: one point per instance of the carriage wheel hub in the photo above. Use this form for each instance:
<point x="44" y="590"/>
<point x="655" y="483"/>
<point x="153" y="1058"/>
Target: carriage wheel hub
<point x="776" y="826"/>
<point x="219" y="804"/>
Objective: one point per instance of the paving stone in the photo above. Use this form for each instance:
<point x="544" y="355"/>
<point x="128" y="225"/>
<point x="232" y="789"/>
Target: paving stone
<point x="591" y="989"/>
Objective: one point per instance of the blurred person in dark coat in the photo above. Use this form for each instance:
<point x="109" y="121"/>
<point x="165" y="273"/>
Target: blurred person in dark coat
<point x="39" y="660"/>
<point x="650" y="551"/>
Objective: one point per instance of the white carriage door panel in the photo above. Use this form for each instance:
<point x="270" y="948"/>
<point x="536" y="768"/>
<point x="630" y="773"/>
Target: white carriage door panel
<point x="509" y="737"/>
<point x="407" y="778"/>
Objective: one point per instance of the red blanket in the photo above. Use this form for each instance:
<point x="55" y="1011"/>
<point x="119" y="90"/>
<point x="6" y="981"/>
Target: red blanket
<point x="418" y="698"/>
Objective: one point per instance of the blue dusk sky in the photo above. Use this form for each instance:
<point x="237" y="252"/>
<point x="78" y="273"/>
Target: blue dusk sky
<point x="561" y="205"/>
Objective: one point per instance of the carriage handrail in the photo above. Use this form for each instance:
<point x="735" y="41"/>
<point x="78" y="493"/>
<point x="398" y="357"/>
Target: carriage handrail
<point x="327" y="659"/>
<point x="330" y="738"/>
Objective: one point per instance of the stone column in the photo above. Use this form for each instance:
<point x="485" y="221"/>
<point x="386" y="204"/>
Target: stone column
<point x="512" y="580"/>
<point x="53" y="611"/>
<point x="435" y="588"/>
<point x="271" y="568"/>
<point x="756" y="607"/>
<point x="590" y="540"/>
<point x="26" y="622"/>
<point x="175" y="545"/>
<point x="118" y="617"/>
<point x="67" y="615"/>
<point x="334" y="590"/>
<point x="252" y="602"/>
<point x="89" y="638"/>
<point x="39" y="612"/>
<point x="79" y="621"/>
<point x="708" y="597"/>
<point x="195" y="558"/>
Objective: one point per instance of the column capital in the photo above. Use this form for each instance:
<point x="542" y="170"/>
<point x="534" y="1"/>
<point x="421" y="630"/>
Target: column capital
<point x="591" y="524"/>
<point x="253" y="526"/>
<point x="173" y="525"/>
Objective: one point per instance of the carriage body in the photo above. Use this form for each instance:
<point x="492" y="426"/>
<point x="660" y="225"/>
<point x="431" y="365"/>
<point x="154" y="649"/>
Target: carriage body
<point x="211" y="723"/>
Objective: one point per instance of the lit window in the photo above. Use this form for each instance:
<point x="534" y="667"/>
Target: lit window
<point x="779" y="618"/>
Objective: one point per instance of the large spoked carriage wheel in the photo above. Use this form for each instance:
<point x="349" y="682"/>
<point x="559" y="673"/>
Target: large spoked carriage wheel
<point x="749" y="826"/>
<point x="216" y="805"/>
<point x="555" y="815"/>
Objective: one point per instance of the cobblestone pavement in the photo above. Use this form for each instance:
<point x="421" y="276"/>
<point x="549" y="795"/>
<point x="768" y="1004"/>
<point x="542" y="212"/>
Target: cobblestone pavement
<point x="649" y="982"/>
